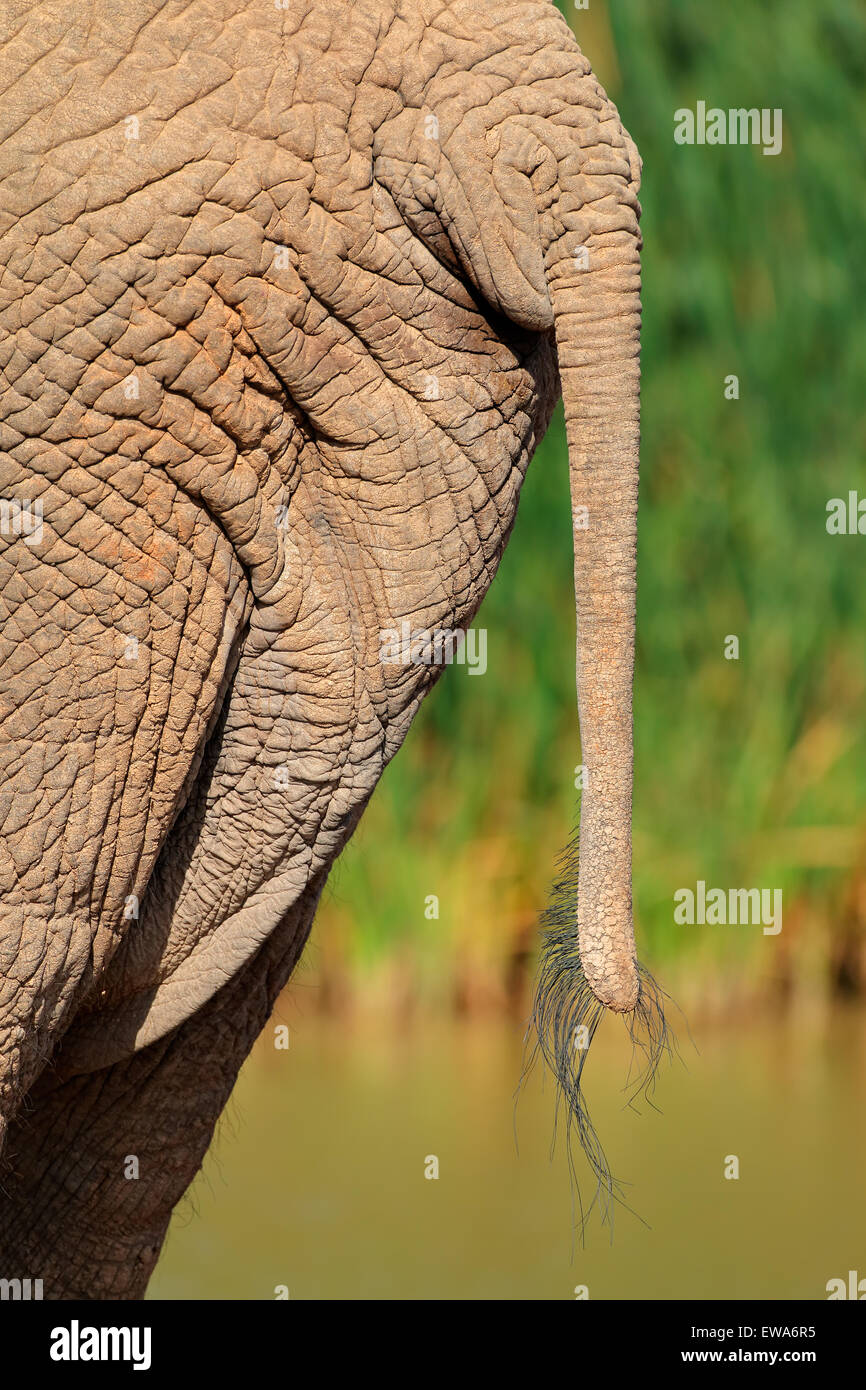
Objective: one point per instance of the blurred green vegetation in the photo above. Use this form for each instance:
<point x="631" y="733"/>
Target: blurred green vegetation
<point x="748" y="773"/>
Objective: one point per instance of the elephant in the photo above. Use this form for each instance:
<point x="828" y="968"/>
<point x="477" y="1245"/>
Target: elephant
<point x="290" y="290"/>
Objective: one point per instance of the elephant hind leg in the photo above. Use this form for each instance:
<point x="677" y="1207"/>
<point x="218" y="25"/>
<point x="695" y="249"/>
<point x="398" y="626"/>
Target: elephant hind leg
<point x="119" y="632"/>
<point x="96" y="1162"/>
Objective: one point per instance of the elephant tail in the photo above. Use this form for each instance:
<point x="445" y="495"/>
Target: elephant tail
<point x="592" y="269"/>
<point x="565" y="1016"/>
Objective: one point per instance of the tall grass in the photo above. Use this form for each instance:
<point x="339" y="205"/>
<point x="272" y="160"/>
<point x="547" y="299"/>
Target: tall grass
<point x="749" y="772"/>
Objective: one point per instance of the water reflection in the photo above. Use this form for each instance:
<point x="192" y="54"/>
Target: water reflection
<point x="316" y="1177"/>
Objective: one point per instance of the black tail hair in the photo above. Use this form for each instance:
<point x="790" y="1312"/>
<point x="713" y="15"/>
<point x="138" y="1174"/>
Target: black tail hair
<point x="564" y="1002"/>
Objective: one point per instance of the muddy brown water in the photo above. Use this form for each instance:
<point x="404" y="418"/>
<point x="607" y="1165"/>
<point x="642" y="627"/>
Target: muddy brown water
<point x="316" y="1180"/>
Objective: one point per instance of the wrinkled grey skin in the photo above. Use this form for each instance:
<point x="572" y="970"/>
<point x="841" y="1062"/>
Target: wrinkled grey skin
<point x="287" y="297"/>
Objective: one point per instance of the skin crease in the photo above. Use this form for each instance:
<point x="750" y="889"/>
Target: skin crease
<point x="287" y="299"/>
